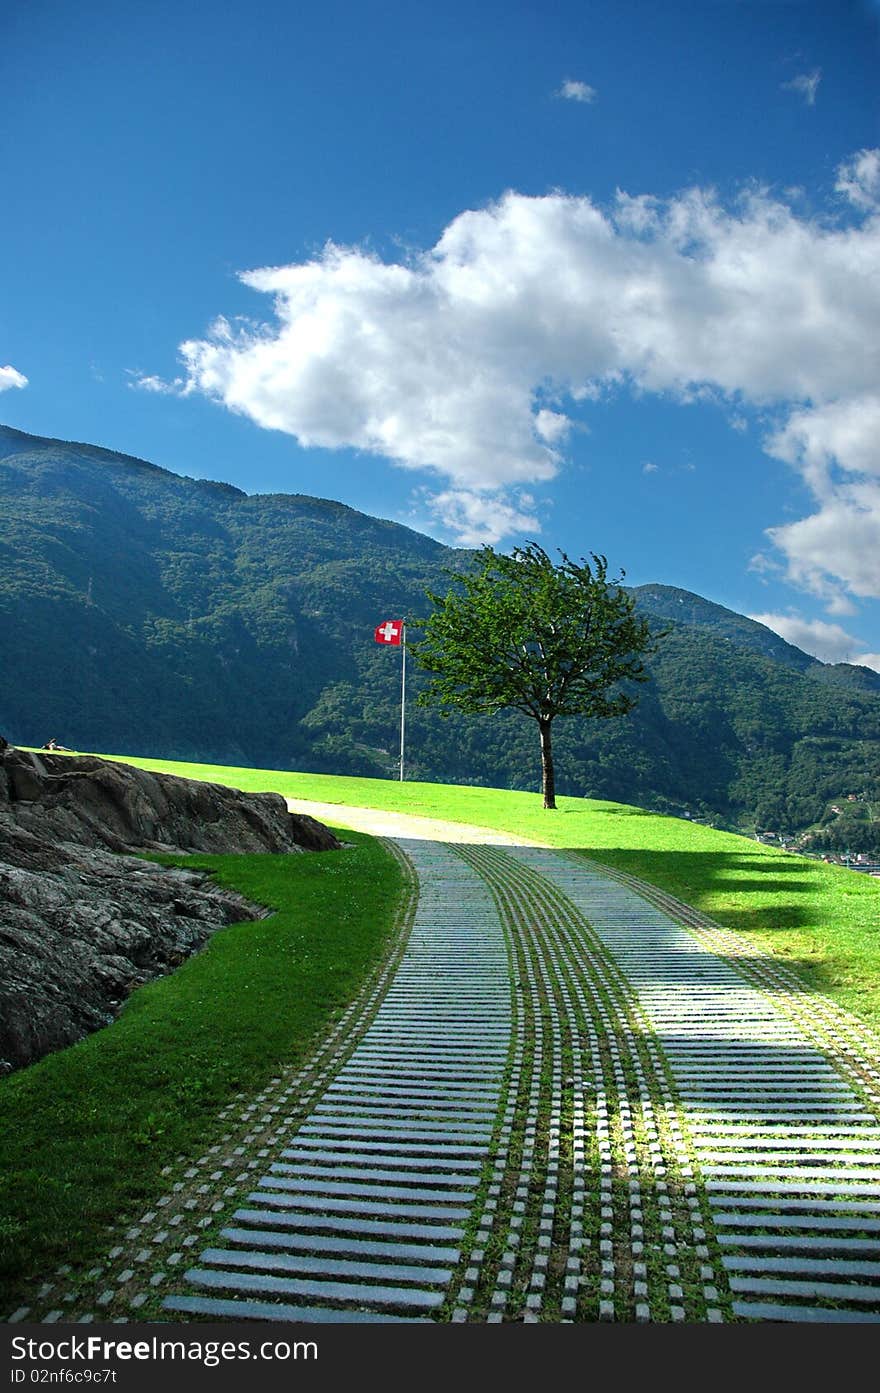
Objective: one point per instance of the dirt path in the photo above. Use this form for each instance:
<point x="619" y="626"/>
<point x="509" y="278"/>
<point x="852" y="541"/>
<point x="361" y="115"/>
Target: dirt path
<point x="386" y="824"/>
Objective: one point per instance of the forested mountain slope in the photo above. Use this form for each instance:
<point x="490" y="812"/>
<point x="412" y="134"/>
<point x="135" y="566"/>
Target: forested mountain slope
<point x="145" y="613"/>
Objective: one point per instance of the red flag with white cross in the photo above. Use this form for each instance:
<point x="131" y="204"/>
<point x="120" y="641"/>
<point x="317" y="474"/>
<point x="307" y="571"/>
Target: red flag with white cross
<point x="389" y="631"/>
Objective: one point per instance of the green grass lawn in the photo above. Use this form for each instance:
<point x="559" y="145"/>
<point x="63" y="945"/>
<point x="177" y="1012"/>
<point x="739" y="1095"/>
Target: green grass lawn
<point x="85" y="1132"/>
<point x="822" y="921"/>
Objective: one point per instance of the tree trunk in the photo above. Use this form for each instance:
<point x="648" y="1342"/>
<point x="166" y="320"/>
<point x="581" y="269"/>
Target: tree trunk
<point x="548" y="778"/>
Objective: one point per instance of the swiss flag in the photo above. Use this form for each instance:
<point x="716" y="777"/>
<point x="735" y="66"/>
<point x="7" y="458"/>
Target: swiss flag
<point x="389" y="631"/>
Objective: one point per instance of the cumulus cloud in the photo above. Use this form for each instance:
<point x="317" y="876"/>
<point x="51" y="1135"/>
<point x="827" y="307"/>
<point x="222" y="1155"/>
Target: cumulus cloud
<point x="806" y="84"/>
<point x="469" y="360"/>
<point x="859" y="179"/>
<point x="827" y="642"/>
<point x="839" y="545"/>
<point x="479" y="518"/>
<point x="10" y="377"/>
<point x="576" y="91"/>
<point x="156" y="385"/>
<point x="816" y="438"/>
<point x="552" y="425"/>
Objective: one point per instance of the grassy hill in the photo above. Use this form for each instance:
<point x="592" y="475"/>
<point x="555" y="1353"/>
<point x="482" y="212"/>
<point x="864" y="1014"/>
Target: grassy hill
<point x="180" y="617"/>
<point x="87" y="1134"/>
<point x="820" y="920"/>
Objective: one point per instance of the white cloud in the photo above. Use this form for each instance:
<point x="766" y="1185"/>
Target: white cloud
<point x="764" y="565"/>
<point x="859" y="180"/>
<point x="827" y="642"/>
<point x="845" y="431"/>
<point x="650" y="468"/>
<point x="451" y="361"/>
<point x="157" y="385"/>
<point x="806" y="84"/>
<point x="576" y="91"/>
<point x="837" y="546"/>
<point x="836" y="448"/>
<point x="10" y="377"/>
<point x="552" y="425"/>
<point x="480" y="518"/>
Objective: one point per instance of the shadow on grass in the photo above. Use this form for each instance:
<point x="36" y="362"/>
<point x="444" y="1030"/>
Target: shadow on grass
<point x="713" y="881"/>
<point x="769" y="896"/>
<point x="815" y="974"/>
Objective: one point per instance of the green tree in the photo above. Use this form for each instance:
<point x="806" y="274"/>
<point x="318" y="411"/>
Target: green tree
<point x="547" y="640"/>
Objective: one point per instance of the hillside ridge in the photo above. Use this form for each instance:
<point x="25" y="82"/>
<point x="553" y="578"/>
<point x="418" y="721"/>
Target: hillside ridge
<point x="148" y="612"/>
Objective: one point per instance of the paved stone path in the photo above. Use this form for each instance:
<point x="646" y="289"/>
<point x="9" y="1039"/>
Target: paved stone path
<point x="571" y="1106"/>
<point x="367" y="1212"/>
<point x="783" y="1125"/>
<point x="565" y="1097"/>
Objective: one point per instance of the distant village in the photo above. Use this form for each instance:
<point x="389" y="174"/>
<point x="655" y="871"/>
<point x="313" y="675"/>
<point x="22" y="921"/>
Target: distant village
<point x="801" y="843"/>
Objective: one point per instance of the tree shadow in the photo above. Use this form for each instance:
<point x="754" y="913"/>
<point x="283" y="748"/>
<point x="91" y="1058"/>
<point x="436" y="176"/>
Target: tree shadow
<point x="704" y="880"/>
<point x="747" y="893"/>
<point x="783" y="1067"/>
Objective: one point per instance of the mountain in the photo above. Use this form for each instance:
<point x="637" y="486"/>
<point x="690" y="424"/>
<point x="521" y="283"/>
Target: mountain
<point x="681" y="607"/>
<point x="151" y="614"/>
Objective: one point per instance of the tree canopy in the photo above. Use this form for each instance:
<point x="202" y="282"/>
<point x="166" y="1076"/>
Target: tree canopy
<point x="544" y="639"/>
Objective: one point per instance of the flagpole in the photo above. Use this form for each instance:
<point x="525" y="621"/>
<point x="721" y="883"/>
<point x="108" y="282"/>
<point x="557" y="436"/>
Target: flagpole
<point x="402" y="694"/>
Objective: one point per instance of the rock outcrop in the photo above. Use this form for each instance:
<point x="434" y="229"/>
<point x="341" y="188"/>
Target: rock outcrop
<point x="80" y="926"/>
<point x="98" y="802"/>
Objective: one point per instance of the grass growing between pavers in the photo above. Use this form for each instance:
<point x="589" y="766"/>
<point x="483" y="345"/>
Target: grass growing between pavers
<point x="85" y="1133"/>
<point x="822" y="921"/>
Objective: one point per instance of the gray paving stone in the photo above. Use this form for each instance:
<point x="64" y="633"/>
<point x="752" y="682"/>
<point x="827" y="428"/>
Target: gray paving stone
<point x="326" y="1265"/>
<point x="836" y="1291"/>
<point x="773" y="1311"/>
<point x="344" y="1223"/>
<point x="803" y="1171"/>
<point x="410" y="1194"/>
<point x="317" y="1290"/>
<point x="432" y="1178"/>
<point x="418" y="1110"/>
<point x="369" y="1127"/>
<point x="430" y="1254"/>
<point x="816" y="1244"/>
<point x="333" y="1204"/>
<point x="419" y="1156"/>
<point x="227" y="1310"/>
<point x="861" y="1199"/>
<point x="805" y="1266"/>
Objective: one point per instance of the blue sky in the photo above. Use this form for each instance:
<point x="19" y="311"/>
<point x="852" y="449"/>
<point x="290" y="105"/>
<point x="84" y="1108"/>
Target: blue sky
<point x="605" y="274"/>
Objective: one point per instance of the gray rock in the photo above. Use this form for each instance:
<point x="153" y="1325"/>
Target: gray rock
<point x="97" y="802"/>
<point x="80" y="926"/>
